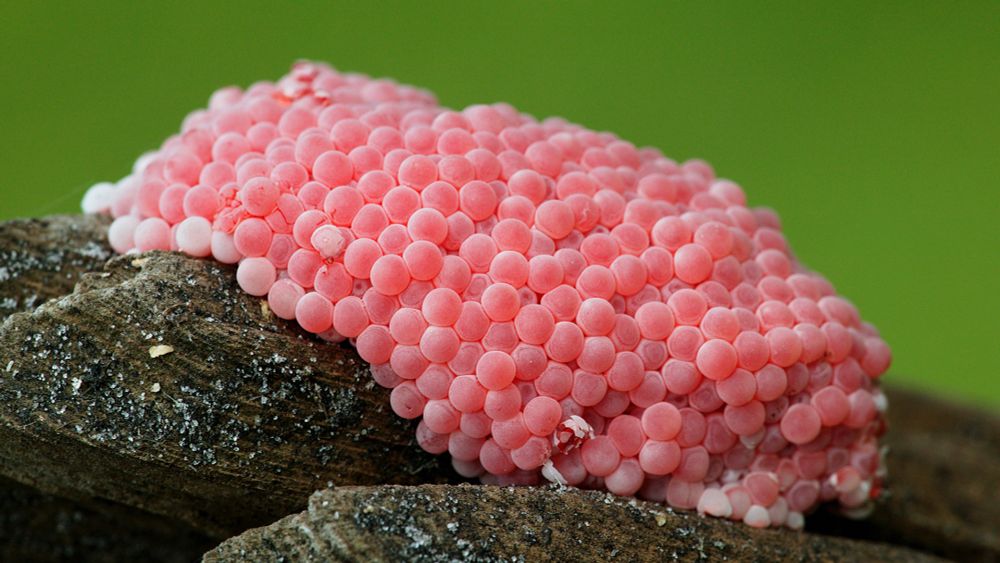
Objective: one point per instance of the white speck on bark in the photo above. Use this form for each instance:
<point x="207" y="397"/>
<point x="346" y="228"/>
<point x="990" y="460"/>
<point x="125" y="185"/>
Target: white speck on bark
<point x="160" y="350"/>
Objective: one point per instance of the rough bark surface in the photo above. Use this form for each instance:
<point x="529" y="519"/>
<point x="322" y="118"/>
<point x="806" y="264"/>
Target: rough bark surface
<point x="43" y="258"/>
<point x="480" y="523"/>
<point x="161" y="405"/>
<point x="39" y="527"/>
<point x="234" y="425"/>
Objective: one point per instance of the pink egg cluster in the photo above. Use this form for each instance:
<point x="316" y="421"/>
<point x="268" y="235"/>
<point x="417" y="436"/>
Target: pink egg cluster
<point x="552" y="302"/>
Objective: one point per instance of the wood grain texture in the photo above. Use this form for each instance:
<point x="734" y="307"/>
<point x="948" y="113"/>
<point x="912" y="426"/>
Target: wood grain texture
<point x="482" y="523"/>
<point x="247" y="416"/>
<point x="236" y="426"/>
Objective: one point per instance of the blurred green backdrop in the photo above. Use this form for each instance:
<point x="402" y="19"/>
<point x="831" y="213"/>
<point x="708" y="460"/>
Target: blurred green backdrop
<point x="873" y="128"/>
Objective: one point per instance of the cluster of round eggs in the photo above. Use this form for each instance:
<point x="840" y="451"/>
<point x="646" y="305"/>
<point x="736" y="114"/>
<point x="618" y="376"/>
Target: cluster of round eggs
<point x="552" y="302"/>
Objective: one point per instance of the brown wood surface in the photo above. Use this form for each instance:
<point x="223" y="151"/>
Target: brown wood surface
<point x="246" y="416"/>
<point x="481" y="523"/>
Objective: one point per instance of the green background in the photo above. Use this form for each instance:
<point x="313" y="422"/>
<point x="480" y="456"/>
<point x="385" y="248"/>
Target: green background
<point x="873" y="128"/>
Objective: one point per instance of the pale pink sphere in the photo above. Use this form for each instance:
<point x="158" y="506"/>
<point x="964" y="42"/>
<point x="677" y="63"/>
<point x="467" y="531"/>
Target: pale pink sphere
<point x="534" y="324"/>
<point x="121" y="234"/>
<point x="256" y="276"/>
<point x="428" y="224"/>
<point x="501" y="302"/>
<point x="627" y="434"/>
<point x="801" y="424"/>
<point x="510" y="267"/>
<point x="406" y="326"/>
<point x="545" y="273"/>
<point x="282" y="298"/>
<point x="737" y="389"/>
<point x="542" y="415"/>
<point x="253" y="237"/>
<point x="598" y="354"/>
<point x="341" y="204"/>
<point x="656" y="320"/>
<point x="831" y="404"/>
<point x="659" y="458"/>
<point x="716" y="359"/>
<point x="555" y="219"/>
<point x="439" y="344"/>
<point x="566" y="342"/>
<point x="390" y="275"/>
<point x="472" y="322"/>
<point x="442" y="307"/>
<point x="350" y="318"/>
<point x="693" y="263"/>
<point x="260" y="196"/>
<point x="596" y="317"/>
<point x="201" y="201"/>
<point x="503" y="404"/>
<point x="746" y="419"/>
<point x="720" y="322"/>
<point x="423" y="260"/>
<point x="194" y="236"/>
<point x="495" y="370"/>
<point x="661" y="421"/>
<point x="785" y="345"/>
<point x="152" y="234"/>
<point x="455" y="274"/>
<point x="406" y="400"/>
<point x="600" y="456"/>
<point x="333" y="168"/>
<point x="589" y="389"/>
<point x="626" y="372"/>
<point x="532" y="454"/>
<point x="596" y="281"/>
<point x="224" y="248"/>
<point x="417" y="172"/>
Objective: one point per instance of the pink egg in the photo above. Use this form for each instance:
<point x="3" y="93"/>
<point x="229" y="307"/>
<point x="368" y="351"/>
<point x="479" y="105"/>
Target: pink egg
<point x="121" y="234"/>
<point x="501" y="302"/>
<point x="224" y="248"/>
<point x="439" y="344"/>
<point x="194" y="236"/>
<point x="260" y="196"/>
<point x="283" y="297"/>
<point x="656" y="321"/>
<point x="495" y="370"/>
<point x="661" y="421"/>
<point x="716" y="359"/>
<point x="333" y="168"/>
<point x="503" y="404"/>
<point x="313" y="312"/>
<point x="659" y="458"/>
<point x="389" y="275"/>
<point x="152" y="234"/>
<point x="534" y="324"/>
<point x="417" y="172"/>
<point x="801" y="424"/>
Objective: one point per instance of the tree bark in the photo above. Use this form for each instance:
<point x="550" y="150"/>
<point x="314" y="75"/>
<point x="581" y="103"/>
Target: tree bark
<point x="163" y="402"/>
<point x="160" y="385"/>
<point x="41" y="259"/>
<point x="39" y="527"/>
<point x="44" y="258"/>
<point x="481" y="523"/>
